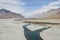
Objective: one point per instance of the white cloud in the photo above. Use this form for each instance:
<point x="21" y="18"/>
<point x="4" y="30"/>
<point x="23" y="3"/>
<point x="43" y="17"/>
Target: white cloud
<point x="52" y="5"/>
<point x="55" y="3"/>
<point x="12" y="5"/>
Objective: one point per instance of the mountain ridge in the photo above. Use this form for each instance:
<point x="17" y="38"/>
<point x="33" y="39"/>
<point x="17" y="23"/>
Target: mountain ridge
<point x="47" y="15"/>
<point x="6" y="14"/>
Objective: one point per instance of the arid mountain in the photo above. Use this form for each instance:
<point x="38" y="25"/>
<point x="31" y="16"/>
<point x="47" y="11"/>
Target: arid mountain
<point x="54" y="13"/>
<point x="55" y="16"/>
<point x="5" y="14"/>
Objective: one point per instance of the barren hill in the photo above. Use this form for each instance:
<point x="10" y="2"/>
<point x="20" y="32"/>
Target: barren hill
<point x="5" y="14"/>
<point x="55" y="16"/>
<point x="54" y="13"/>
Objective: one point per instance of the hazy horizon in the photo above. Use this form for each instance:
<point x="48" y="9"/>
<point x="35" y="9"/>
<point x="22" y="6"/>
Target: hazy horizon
<point x="29" y="7"/>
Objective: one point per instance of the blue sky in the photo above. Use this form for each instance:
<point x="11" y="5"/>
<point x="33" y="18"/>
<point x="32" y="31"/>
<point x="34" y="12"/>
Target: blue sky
<point x="29" y="7"/>
<point x="35" y="4"/>
<point x="32" y="5"/>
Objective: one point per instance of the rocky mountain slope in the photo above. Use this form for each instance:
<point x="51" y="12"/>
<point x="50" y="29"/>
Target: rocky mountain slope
<point x="55" y="16"/>
<point x="5" y="14"/>
<point x="54" y="13"/>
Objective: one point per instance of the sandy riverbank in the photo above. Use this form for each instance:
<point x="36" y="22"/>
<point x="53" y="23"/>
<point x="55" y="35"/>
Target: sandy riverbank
<point x="13" y="30"/>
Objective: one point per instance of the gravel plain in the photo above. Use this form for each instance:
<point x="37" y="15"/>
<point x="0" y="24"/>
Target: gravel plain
<point x="13" y="30"/>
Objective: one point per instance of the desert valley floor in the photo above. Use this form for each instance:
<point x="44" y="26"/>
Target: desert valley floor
<point x="17" y="30"/>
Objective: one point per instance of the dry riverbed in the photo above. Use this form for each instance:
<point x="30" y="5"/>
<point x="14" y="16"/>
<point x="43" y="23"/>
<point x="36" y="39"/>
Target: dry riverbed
<point x="16" y="30"/>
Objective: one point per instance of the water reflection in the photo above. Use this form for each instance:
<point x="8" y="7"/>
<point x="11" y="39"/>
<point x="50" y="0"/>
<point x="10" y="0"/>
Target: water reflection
<point x="33" y="35"/>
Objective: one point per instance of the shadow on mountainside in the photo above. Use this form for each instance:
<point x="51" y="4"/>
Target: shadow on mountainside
<point x="33" y="35"/>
